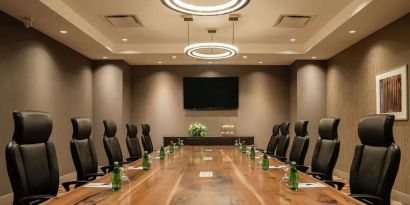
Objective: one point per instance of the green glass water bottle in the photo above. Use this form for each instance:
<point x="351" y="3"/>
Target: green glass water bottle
<point x="236" y="143"/>
<point x="116" y="177"/>
<point x="145" y="161"/>
<point x="243" y="147"/>
<point x="293" y="178"/>
<point x="179" y="142"/>
<point x="252" y="153"/>
<point x="171" y="147"/>
<point x="265" y="161"/>
<point x="162" y="152"/>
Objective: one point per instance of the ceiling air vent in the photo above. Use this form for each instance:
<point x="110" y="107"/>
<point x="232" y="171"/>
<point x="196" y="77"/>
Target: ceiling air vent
<point x="123" y="21"/>
<point x="293" y="21"/>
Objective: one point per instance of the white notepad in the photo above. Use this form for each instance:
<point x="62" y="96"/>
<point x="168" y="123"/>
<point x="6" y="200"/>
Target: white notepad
<point x="206" y="174"/>
<point x="135" y="168"/>
<point x="311" y="185"/>
<point x="98" y="185"/>
<point x="277" y="167"/>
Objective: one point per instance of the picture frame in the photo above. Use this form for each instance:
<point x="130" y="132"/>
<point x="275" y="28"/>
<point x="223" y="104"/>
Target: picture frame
<point x="391" y="93"/>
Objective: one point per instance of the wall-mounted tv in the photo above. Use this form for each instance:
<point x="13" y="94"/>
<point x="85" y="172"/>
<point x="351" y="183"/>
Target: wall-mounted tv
<point x="217" y="93"/>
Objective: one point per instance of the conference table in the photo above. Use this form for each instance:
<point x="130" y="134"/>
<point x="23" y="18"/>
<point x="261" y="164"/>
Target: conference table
<point x="197" y="175"/>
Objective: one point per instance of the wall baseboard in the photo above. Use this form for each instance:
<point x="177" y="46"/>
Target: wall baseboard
<point x="8" y="198"/>
<point x="396" y="195"/>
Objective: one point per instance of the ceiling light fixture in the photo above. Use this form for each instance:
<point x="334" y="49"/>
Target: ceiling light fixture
<point x="125" y="39"/>
<point x="313" y="57"/>
<point x="260" y="62"/>
<point x="63" y="32"/>
<point x="213" y="10"/>
<point x="159" y="62"/>
<point x="352" y="31"/>
<point x="197" y="50"/>
<point x="245" y="57"/>
<point x="104" y="57"/>
<point x="174" y="57"/>
<point x="293" y="39"/>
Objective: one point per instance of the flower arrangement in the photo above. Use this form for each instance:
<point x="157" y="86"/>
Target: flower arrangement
<point x="197" y="129"/>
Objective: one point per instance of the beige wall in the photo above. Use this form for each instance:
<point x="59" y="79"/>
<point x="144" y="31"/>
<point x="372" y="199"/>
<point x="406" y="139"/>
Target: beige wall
<point x="38" y="73"/>
<point x="351" y="90"/>
<point x="308" y="98"/>
<point x="157" y="98"/>
<point x="111" y="101"/>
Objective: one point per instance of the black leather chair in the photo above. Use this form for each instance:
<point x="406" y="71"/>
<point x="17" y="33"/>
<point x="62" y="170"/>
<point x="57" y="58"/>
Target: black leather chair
<point x="83" y="151"/>
<point x="31" y="159"/>
<point x="273" y="142"/>
<point x="133" y="143"/>
<point x="283" y="141"/>
<point x="300" y="144"/>
<point x="111" y="145"/>
<point x="376" y="160"/>
<point x="146" y="138"/>
<point x="326" y="151"/>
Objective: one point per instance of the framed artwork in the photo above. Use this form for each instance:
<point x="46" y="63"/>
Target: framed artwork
<point x="391" y="92"/>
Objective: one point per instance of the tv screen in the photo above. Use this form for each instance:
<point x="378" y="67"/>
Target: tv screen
<point x="211" y="93"/>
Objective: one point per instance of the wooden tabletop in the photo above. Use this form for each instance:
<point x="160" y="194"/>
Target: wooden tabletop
<point x="236" y="180"/>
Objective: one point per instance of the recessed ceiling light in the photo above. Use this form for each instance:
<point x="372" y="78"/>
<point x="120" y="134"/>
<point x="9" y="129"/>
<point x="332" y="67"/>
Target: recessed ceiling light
<point x="104" y="57"/>
<point x="313" y="57"/>
<point x="210" y="62"/>
<point x="260" y="62"/>
<point x="293" y="39"/>
<point x="125" y="39"/>
<point x="244" y="57"/>
<point x="159" y="62"/>
<point x="63" y="31"/>
<point x="174" y="57"/>
<point x="352" y="31"/>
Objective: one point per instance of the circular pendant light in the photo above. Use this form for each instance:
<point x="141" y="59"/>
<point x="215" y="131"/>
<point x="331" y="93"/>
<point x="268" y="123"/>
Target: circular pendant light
<point x="193" y="50"/>
<point x="220" y="9"/>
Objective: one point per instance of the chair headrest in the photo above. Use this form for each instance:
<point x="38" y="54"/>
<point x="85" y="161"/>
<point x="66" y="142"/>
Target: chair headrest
<point x="284" y="128"/>
<point x="275" y="129"/>
<point x="145" y="129"/>
<point x="301" y="128"/>
<point x="132" y="130"/>
<point x="110" y="128"/>
<point x="328" y="128"/>
<point x="81" y="128"/>
<point x="31" y="127"/>
<point x="376" y="130"/>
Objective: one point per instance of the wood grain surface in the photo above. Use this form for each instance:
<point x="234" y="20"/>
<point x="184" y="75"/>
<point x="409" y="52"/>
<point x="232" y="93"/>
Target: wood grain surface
<point x="236" y="180"/>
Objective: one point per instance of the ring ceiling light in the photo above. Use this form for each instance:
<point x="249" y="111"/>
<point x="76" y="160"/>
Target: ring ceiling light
<point x="225" y="8"/>
<point x="193" y="51"/>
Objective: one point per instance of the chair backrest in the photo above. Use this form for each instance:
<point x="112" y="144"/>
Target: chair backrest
<point x="31" y="159"/>
<point x="300" y="143"/>
<point x="82" y="148"/>
<point x="111" y="145"/>
<point x="376" y="160"/>
<point x="273" y="142"/>
<point x="146" y="138"/>
<point x="133" y="143"/>
<point x="283" y="140"/>
<point x="327" y="148"/>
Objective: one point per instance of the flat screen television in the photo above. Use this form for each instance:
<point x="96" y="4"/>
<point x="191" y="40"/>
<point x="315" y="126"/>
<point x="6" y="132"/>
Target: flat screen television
<point x="216" y="93"/>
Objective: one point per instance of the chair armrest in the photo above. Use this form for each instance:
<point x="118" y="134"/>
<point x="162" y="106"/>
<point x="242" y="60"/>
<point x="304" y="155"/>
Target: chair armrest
<point x="34" y="199"/>
<point x="93" y="176"/>
<point x="283" y="159"/>
<point x="368" y="199"/>
<point x="131" y="159"/>
<point x="107" y="169"/>
<point x="317" y="175"/>
<point x="67" y="185"/>
<point x="337" y="185"/>
<point x="302" y="168"/>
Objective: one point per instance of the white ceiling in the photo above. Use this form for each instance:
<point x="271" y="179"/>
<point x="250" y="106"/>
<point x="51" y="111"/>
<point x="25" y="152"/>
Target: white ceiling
<point x="165" y="33"/>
